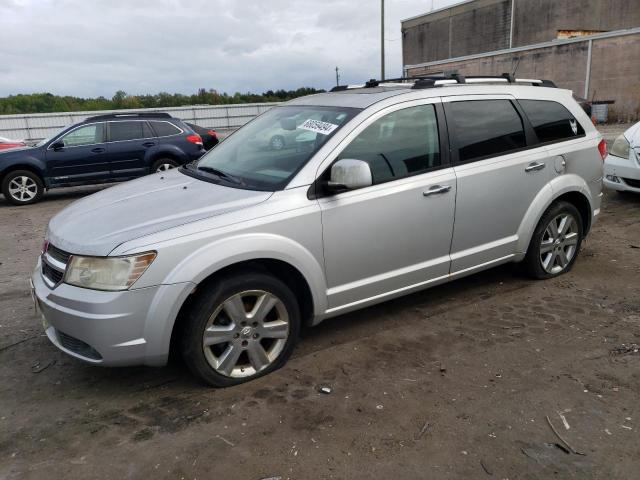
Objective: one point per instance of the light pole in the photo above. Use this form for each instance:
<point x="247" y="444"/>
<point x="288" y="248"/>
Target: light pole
<point x="381" y="39"/>
<point x="337" y="77"/>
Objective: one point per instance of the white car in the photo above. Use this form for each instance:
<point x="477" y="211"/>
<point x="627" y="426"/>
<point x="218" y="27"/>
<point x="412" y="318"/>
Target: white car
<point x="622" y="165"/>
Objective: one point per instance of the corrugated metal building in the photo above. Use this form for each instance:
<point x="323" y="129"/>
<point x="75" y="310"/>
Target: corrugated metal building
<point x="589" y="46"/>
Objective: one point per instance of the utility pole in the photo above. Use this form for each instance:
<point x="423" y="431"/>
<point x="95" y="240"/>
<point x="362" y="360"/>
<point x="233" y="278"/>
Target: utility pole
<point x="337" y="77"/>
<point x="381" y="39"/>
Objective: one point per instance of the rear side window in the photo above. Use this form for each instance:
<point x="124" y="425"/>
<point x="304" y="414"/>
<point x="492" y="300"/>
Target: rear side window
<point x="485" y="128"/>
<point x="400" y="144"/>
<point x="120" y="131"/>
<point x="551" y="121"/>
<point x="165" y="129"/>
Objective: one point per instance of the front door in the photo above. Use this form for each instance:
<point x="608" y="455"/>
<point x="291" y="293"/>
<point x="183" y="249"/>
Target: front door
<point x="395" y="235"/>
<point x="79" y="156"/>
<point x="499" y="171"/>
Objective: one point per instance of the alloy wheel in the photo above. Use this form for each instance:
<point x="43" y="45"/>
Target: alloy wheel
<point x="559" y="242"/>
<point x="23" y="188"/>
<point x="163" y="167"/>
<point x="246" y="333"/>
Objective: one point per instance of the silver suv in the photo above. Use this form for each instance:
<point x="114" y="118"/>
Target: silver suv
<point x="384" y="190"/>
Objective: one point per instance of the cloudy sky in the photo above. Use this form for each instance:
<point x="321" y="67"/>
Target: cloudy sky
<point x="96" y="47"/>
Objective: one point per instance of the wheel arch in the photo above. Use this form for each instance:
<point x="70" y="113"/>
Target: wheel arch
<point x="283" y="271"/>
<point x="569" y="188"/>
<point x="24" y="166"/>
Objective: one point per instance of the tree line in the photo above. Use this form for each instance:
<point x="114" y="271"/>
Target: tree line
<point x="47" y="102"/>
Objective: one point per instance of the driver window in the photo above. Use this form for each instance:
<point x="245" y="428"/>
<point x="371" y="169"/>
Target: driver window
<point x="400" y="144"/>
<point x="87" y="135"/>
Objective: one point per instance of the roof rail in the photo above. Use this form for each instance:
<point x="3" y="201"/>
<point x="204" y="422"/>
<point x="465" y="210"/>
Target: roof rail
<point x="431" y="81"/>
<point x="119" y="116"/>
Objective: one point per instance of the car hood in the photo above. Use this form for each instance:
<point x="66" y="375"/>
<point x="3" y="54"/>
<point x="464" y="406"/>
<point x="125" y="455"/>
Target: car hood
<point x="97" y="224"/>
<point x="14" y="152"/>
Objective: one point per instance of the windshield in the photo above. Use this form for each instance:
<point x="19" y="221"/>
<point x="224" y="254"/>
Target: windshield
<point x="267" y="152"/>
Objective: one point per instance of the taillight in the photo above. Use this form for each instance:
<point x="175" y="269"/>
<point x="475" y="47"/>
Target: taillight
<point x="195" y="138"/>
<point x="602" y="148"/>
<point x="212" y="133"/>
<point x="45" y="246"/>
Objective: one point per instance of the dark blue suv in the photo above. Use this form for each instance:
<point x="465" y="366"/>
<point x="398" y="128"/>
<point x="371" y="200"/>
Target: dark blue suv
<point x="106" y="148"/>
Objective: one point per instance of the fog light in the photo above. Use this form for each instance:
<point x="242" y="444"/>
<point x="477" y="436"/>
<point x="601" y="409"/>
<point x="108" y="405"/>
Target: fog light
<point x="613" y="178"/>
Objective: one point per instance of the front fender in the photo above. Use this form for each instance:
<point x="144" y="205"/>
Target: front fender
<point x="215" y="256"/>
<point x="29" y="162"/>
<point x="557" y="187"/>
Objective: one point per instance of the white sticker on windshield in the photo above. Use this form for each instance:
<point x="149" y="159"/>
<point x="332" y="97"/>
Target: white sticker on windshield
<point x="319" y="127"/>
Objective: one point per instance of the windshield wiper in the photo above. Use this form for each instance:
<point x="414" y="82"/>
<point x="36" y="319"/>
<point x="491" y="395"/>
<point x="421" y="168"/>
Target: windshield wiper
<point x="221" y="174"/>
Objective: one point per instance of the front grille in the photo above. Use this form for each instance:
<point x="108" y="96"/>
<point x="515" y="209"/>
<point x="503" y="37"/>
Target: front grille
<point x="58" y="254"/>
<point x="78" y="346"/>
<point x="53" y="275"/>
<point x="54" y="264"/>
<point x="631" y="182"/>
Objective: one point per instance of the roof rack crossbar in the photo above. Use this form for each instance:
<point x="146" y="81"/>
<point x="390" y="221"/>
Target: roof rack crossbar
<point x="430" y="81"/>
<point x="116" y="116"/>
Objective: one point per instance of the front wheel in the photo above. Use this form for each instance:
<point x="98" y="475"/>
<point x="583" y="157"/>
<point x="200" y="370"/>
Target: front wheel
<point x="22" y="187"/>
<point x="556" y="242"/>
<point x="240" y="328"/>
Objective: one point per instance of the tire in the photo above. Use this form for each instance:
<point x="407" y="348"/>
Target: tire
<point x="163" y="164"/>
<point x="277" y="142"/>
<point x="22" y="187"/>
<point x="553" y="251"/>
<point x="240" y="352"/>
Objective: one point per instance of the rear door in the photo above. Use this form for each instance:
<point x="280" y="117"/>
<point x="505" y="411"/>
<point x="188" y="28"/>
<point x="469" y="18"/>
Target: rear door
<point x="129" y="141"/>
<point x="81" y="158"/>
<point x="499" y="170"/>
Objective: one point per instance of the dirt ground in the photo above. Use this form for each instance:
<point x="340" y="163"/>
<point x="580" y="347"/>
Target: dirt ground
<point x="453" y="382"/>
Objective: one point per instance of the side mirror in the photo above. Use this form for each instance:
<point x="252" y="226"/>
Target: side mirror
<point x="349" y="174"/>
<point x="59" y="145"/>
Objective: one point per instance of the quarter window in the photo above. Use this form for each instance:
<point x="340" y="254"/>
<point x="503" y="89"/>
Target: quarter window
<point x="400" y="144"/>
<point x="551" y="121"/>
<point x="87" y="135"/>
<point x="485" y="128"/>
<point x="119" y="131"/>
<point x="164" y="129"/>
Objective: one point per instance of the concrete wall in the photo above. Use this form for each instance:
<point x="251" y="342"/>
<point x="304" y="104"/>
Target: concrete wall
<point x="42" y="125"/>
<point x="484" y="25"/>
<point x="614" y="71"/>
<point x="537" y="21"/>
<point x="479" y="26"/>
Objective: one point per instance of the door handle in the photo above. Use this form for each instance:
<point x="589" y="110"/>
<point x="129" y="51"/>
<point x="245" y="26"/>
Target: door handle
<point x="532" y="167"/>
<point x="148" y="144"/>
<point x="97" y="150"/>
<point x="436" y="189"/>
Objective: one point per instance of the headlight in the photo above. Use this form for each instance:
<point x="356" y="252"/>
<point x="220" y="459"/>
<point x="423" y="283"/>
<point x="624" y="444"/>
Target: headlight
<point x="107" y="273"/>
<point x="620" y="147"/>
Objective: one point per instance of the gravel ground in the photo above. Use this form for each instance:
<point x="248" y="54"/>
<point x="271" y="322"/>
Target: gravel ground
<point x="453" y="382"/>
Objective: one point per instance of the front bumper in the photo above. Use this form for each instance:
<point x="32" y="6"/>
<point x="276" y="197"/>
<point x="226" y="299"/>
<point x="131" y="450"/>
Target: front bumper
<point x="131" y="327"/>
<point x="621" y="174"/>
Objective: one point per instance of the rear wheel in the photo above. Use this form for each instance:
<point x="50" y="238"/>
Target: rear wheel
<point x="163" y="164"/>
<point x="240" y="328"/>
<point x="22" y="187"/>
<point x="556" y="242"/>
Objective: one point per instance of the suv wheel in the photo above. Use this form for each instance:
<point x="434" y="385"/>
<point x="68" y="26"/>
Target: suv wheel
<point x="163" y="164"/>
<point x="22" y="187"/>
<point x="241" y="328"/>
<point x="556" y="241"/>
